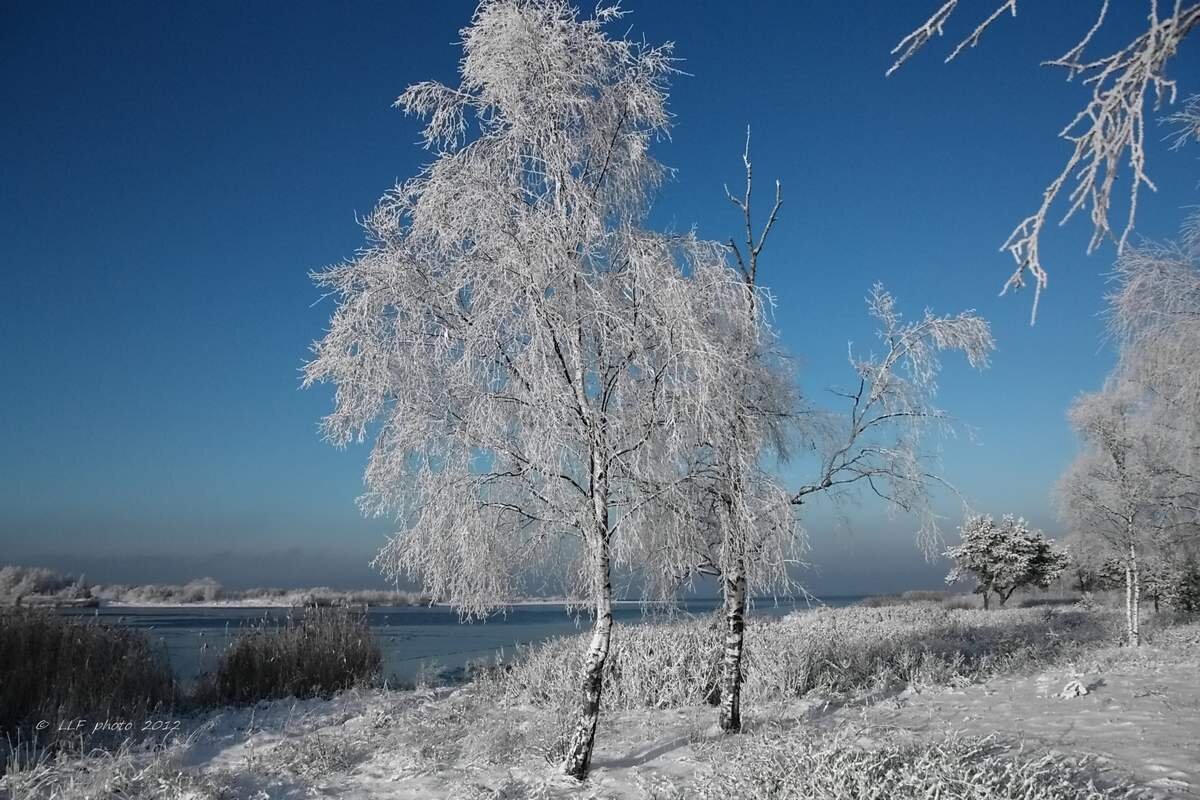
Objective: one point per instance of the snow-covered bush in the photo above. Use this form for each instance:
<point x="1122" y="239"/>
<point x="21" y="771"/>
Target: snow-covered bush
<point x="1004" y="556"/>
<point x="128" y="772"/>
<point x="908" y="598"/>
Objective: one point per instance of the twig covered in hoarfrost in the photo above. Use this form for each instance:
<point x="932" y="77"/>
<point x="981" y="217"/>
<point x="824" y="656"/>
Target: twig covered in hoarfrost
<point x="935" y="26"/>
<point x="878" y="442"/>
<point x="1186" y="122"/>
<point x="1107" y="134"/>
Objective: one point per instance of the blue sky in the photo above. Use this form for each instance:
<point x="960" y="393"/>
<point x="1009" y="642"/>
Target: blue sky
<point x="169" y="173"/>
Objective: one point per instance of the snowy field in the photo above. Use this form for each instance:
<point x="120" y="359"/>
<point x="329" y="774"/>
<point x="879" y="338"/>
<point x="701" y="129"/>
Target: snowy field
<point x="988" y="720"/>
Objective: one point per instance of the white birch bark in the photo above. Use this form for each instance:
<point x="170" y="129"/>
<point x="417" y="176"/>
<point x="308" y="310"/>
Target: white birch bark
<point x="578" y="756"/>
<point x="734" y="593"/>
<point x="1133" y="592"/>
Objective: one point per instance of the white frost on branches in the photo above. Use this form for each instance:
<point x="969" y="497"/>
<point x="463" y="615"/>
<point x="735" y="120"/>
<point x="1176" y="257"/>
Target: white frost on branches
<point x="1126" y="487"/>
<point x="533" y="364"/>
<point x="1154" y="316"/>
<point x="880" y="440"/>
<point x="1107" y="134"/>
<point x="1186" y="122"/>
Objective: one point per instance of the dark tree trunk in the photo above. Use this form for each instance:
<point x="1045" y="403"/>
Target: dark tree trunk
<point x="731" y="672"/>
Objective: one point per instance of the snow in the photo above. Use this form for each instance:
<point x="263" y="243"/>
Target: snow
<point x="1140" y="718"/>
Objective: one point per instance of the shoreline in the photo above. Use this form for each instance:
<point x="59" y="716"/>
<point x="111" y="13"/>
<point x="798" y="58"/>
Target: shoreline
<point x="531" y="603"/>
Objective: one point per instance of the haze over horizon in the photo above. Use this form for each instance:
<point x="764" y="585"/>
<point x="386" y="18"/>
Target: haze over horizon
<point x="172" y="173"/>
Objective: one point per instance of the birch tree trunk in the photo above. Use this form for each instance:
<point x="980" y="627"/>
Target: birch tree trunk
<point x="578" y="757"/>
<point x="1128" y="604"/>
<point x="735" y="626"/>
<point x="1133" y="598"/>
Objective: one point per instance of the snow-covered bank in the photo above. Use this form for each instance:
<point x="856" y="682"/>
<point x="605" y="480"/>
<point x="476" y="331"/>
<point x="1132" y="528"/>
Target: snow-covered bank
<point x="1008" y="735"/>
<point x="439" y="744"/>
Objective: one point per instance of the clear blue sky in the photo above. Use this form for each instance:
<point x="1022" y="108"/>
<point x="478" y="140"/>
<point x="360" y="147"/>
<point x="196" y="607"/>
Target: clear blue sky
<point x="170" y="172"/>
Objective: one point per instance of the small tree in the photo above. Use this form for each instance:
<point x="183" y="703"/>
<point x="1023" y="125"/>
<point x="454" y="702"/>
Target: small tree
<point x="1158" y="578"/>
<point x="1002" y="557"/>
<point x="1112" y="574"/>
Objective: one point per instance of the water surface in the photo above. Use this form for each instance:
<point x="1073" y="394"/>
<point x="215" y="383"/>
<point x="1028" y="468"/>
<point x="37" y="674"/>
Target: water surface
<point x="413" y="638"/>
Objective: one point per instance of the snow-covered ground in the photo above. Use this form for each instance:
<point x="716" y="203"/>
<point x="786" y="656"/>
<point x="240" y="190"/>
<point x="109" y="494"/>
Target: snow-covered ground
<point x="1139" y="723"/>
<point x="1141" y="719"/>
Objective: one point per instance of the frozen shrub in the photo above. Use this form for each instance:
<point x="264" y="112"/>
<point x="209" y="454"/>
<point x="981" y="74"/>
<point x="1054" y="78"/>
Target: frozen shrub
<point x="915" y="596"/>
<point x="125" y="773"/>
<point x="1183" y="590"/>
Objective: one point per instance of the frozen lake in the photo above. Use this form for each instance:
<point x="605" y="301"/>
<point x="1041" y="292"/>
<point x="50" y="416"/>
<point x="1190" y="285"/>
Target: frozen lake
<point x="411" y="637"/>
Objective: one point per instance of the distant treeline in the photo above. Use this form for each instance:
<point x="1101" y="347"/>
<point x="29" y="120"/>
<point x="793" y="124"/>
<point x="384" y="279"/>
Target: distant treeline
<point x="32" y="585"/>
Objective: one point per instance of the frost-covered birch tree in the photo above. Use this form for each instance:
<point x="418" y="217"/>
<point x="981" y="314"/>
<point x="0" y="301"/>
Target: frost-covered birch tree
<point x="1122" y="487"/>
<point x="879" y="441"/>
<point x="747" y="531"/>
<point x="531" y="363"/>
<point x="752" y="536"/>
<point x="746" y="528"/>
<point x="1108" y="135"/>
<point x="741" y="527"/>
